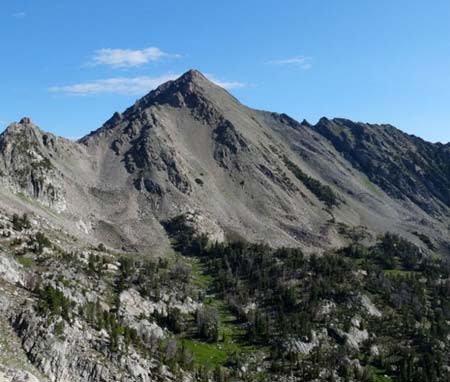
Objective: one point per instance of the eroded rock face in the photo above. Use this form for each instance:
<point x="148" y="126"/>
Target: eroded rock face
<point x="369" y="306"/>
<point x="301" y="346"/>
<point x="189" y="146"/>
<point x="25" y="162"/>
<point x="10" y="271"/>
<point x="404" y="166"/>
<point x="133" y="306"/>
<point x="74" y="354"/>
<point x="13" y="375"/>
<point x="37" y="343"/>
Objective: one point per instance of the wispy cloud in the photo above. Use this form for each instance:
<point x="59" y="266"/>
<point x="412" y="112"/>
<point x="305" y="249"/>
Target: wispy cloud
<point x="19" y="15"/>
<point x="117" y="85"/>
<point x="126" y="58"/>
<point x="227" y="84"/>
<point x="130" y="85"/>
<point x="300" y="61"/>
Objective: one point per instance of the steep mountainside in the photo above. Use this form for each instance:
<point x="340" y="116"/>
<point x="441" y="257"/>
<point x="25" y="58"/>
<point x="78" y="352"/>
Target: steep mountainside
<point x="189" y="146"/>
<point x="404" y="166"/>
<point x="192" y="238"/>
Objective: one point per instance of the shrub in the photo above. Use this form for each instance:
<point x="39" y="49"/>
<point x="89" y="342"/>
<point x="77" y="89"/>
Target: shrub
<point x="323" y="192"/>
<point x="101" y="247"/>
<point x="40" y="242"/>
<point x="20" y="223"/>
<point x="207" y="321"/>
<point x="53" y="301"/>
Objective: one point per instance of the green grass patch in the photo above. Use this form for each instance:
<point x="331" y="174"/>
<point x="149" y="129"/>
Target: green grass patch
<point x="210" y="355"/>
<point x="199" y="277"/>
<point x="380" y="375"/>
<point x="26" y="262"/>
<point x="23" y="196"/>
<point x="229" y="329"/>
<point x="231" y="334"/>
<point x="398" y="273"/>
<point x="435" y="256"/>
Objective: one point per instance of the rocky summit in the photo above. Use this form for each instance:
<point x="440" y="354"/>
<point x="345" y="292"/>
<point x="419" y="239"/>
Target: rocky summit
<point x="192" y="238"/>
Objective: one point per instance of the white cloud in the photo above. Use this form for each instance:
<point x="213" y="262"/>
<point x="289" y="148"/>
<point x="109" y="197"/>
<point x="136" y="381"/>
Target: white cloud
<point x="125" y="58"/>
<point x="226" y="84"/>
<point x="116" y="85"/>
<point x="301" y="61"/>
<point x="230" y="84"/>
<point x="20" y="15"/>
<point x="130" y="85"/>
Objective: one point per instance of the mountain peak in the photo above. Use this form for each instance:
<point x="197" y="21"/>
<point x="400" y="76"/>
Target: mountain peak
<point x="191" y="81"/>
<point x="187" y="90"/>
<point x="26" y="121"/>
<point x="25" y="125"/>
<point x="193" y="75"/>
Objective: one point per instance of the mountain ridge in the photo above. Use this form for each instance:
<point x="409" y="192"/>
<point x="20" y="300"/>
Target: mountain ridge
<point x="191" y="147"/>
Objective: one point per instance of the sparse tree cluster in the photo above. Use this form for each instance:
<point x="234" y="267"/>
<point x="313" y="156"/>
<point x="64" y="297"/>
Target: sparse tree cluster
<point x="20" y="223"/>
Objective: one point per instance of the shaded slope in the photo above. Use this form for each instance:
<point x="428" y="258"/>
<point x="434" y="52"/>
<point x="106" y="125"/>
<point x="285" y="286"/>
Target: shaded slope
<point x="404" y="166"/>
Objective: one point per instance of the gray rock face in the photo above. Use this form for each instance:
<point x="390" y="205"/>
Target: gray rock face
<point x="12" y="375"/>
<point x="76" y="354"/>
<point x="25" y="165"/>
<point x="404" y="166"/>
<point x="38" y="345"/>
<point x="10" y="270"/>
<point x="190" y="147"/>
<point x="133" y="305"/>
<point x="369" y="306"/>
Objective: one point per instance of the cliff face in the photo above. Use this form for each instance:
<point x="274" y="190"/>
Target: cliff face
<point x="26" y="163"/>
<point x="404" y="166"/>
<point x="189" y="146"/>
<point x="58" y="321"/>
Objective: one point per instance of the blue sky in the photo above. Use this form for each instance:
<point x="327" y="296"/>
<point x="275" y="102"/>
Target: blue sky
<point x="70" y="64"/>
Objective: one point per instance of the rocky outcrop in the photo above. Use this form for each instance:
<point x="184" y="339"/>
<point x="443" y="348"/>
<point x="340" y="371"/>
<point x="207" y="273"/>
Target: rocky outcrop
<point x="26" y="166"/>
<point x="10" y="271"/>
<point x="369" y="306"/>
<point x="75" y="355"/>
<point x="13" y="375"/>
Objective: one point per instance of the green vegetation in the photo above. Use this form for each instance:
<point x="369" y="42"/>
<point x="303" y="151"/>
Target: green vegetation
<point x="25" y="261"/>
<point x="52" y="301"/>
<point x="39" y="242"/>
<point x="207" y="323"/>
<point x="120" y="336"/>
<point x="44" y="164"/>
<point x="425" y="239"/>
<point x="20" y="223"/>
<point x="323" y="192"/>
<point x="252" y="305"/>
<point x="276" y="294"/>
<point x="96" y="264"/>
<point x="207" y="354"/>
